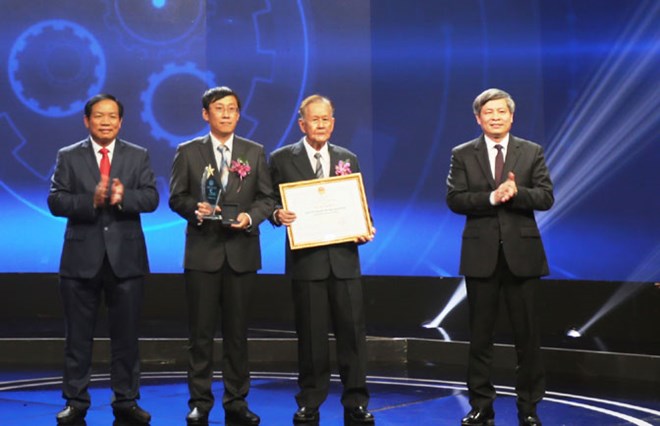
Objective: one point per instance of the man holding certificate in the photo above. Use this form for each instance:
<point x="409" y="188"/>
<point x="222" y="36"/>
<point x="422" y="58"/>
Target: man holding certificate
<point x="326" y="277"/>
<point x="221" y="186"/>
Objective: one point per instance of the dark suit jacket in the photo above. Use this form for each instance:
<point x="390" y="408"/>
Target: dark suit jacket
<point x="207" y="244"/>
<point x="91" y="233"/>
<point x="469" y="185"/>
<point x="291" y="164"/>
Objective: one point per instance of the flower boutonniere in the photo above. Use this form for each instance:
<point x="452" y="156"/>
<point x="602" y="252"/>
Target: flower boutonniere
<point x="343" y="168"/>
<point x="240" y="167"/>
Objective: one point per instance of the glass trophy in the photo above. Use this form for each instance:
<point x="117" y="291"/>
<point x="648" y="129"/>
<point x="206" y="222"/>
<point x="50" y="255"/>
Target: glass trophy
<point x="211" y="191"/>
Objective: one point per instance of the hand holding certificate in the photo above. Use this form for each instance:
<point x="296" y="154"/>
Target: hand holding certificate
<point x="327" y="211"/>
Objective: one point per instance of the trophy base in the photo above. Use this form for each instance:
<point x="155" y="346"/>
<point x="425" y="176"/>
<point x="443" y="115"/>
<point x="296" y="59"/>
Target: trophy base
<point x="212" y="217"/>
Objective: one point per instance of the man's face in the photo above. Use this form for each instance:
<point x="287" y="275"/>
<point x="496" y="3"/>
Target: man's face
<point x="495" y="119"/>
<point x="317" y="123"/>
<point x="222" y="116"/>
<point x="104" y="121"/>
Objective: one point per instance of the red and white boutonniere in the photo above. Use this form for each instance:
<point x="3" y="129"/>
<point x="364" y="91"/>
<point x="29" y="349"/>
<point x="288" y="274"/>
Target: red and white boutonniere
<point x="343" y="168"/>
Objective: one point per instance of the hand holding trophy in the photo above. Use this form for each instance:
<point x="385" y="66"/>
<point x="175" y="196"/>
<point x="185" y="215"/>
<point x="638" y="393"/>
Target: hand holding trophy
<point x="211" y="192"/>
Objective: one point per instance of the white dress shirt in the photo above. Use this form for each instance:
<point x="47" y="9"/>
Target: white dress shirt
<point x="110" y="147"/>
<point x="325" y="157"/>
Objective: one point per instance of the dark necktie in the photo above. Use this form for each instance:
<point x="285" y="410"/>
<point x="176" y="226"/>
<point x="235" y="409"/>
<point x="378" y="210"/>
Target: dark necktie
<point x="224" y="168"/>
<point x="319" y="169"/>
<point x="104" y="166"/>
<point x="499" y="165"/>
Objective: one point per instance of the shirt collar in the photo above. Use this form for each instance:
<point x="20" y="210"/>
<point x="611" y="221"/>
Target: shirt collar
<point x="325" y="153"/>
<point x="110" y="147"/>
<point x="216" y="143"/>
<point x="491" y="143"/>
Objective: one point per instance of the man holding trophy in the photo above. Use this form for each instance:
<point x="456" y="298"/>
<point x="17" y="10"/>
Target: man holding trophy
<point x="221" y="186"/>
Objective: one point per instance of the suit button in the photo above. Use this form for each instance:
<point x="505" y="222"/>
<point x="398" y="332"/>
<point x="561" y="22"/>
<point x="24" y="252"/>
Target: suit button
<point x="105" y="228"/>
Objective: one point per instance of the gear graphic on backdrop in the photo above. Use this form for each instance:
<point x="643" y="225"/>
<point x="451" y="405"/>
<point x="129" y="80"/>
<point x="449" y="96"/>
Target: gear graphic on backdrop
<point x="169" y="25"/>
<point x="157" y="80"/>
<point x="280" y="60"/>
<point x="55" y="66"/>
<point x="268" y="63"/>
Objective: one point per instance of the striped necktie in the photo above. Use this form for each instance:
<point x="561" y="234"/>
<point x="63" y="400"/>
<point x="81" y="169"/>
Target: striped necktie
<point x="224" y="166"/>
<point x="319" y="169"/>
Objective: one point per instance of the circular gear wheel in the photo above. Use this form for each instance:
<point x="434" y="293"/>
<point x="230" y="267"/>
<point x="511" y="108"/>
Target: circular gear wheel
<point x="147" y="97"/>
<point x="39" y="79"/>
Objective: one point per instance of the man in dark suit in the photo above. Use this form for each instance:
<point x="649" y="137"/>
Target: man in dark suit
<point x="497" y="181"/>
<point x="101" y="185"/>
<point x="326" y="279"/>
<point x="221" y="261"/>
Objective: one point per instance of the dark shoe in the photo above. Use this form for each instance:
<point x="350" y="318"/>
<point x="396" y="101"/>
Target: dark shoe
<point x="132" y="415"/>
<point x="241" y="417"/>
<point x="70" y="415"/>
<point x="306" y="415"/>
<point x="529" y="420"/>
<point x="197" y="416"/>
<point x="477" y="417"/>
<point x="359" y="415"/>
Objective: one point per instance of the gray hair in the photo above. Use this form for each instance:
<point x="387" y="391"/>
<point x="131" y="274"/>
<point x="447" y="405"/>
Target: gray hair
<point x="491" y="95"/>
<point x="312" y="99"/>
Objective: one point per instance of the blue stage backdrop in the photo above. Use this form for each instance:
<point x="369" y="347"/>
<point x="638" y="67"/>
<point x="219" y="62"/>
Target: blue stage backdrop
<point x="402" y="74"/>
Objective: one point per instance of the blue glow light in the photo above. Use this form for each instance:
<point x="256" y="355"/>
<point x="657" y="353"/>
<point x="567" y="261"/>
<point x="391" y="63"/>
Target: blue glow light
<point x="617" y="109"/>
<point x="159" y="4"/>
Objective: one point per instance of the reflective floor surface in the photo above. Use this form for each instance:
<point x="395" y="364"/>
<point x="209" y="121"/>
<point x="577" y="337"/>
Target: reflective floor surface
<point x="33" y="398"/>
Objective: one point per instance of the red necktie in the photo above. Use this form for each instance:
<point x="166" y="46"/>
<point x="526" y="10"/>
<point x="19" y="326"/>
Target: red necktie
<point x="105" y="162"/>
<point x="499" y="164"/>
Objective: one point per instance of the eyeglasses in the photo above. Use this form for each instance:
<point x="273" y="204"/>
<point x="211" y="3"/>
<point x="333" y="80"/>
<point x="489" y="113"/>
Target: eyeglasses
<point x="228" y="111"/>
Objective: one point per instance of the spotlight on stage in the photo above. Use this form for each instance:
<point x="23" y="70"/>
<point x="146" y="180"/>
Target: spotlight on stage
<point x="459" y="294"/>
<point x="573" y="333"/>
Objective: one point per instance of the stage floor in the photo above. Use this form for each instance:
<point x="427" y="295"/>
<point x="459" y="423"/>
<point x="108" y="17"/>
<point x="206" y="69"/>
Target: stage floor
<point x="415" y="396"/>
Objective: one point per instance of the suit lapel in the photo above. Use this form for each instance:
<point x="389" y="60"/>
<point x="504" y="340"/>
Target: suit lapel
<point x="334" y="159"/>
<point x="208" y="158"/>
<point x="89" y="157"/>
<point x="301" y="161"/>
<point x="481" y="152"/>
<point x="238" y="151"/>
<point x="511" y="156"/>
<point x="118" y="160"/>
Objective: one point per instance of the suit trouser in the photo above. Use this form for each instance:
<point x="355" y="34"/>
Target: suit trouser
<point x="81" y="299"/>
<point x="315" y="302"/>
<point x="212" y="295"/>
<point x="483" y="298"/>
